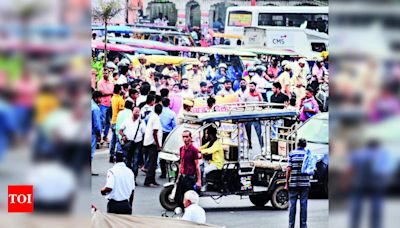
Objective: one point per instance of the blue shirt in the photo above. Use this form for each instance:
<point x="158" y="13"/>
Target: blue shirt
<point x="168" y="119"/>
<point x="96" y="123"/>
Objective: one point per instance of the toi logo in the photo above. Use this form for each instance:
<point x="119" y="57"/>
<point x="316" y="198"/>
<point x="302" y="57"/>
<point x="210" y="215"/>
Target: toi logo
<point x="20" y="198"/>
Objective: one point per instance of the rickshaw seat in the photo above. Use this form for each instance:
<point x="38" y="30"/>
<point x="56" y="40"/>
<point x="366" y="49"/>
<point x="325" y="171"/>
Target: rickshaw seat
<point x="269" y="165"/>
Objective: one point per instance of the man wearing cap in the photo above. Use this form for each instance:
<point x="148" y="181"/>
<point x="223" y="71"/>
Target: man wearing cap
<point x="187" y="108"/>
<point x="284" y="79"/>
<point x="205" y="68"/>
<point x="195" y="76"/>
<point x="119" y="188"/>
<point x="299" y="81"/>
<point x="169" y="70"/>
<point x="319" y="73"/>
<point x="220" y="77"/>
<point x="140" y="70"/>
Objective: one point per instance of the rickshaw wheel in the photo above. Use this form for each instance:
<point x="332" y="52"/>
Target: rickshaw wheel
<point x="165" y="202"/>
<point x="280" y="198"/>
<point x="259" y="200"/>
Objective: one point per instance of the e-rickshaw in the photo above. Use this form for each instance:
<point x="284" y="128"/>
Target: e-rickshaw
<point x="161" y="61"/>
<point x="259" y="176"/>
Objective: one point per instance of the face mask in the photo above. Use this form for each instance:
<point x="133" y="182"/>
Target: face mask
<point x="243" y="87"/>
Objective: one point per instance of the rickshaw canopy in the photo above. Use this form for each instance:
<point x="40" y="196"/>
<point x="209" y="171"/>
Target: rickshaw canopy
<point x="221" y="51"/>
<point x="149" y="44"/>
<point x="113" y="47"/>
<point x="239" y="115"/>
<point x="161" y="60"/>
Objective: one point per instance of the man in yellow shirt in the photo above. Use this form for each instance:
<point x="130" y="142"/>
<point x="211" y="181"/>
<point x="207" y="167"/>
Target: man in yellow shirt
<point x="117" y="105"/>
<point x="214" y="148"/>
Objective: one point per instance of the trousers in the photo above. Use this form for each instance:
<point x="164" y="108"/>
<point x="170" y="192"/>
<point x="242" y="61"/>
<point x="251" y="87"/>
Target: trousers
<point x="119" y="207"/>
<point x="294" y="195"/>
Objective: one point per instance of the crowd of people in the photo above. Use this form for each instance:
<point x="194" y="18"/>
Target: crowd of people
<point x="135" y="107"/>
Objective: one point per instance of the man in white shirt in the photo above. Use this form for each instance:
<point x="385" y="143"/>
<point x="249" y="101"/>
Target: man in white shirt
<point x="186" y="92"/>
<point x="119" y="188"/>
<point x="132" y="131"/>
<point x="152" y="144"/>
<point x="123" y="77"/>
<point x="193" y="212"/>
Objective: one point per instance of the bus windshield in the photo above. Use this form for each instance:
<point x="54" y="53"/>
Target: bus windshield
<point x="317" y="22"/>
<point x="240" y="18"/>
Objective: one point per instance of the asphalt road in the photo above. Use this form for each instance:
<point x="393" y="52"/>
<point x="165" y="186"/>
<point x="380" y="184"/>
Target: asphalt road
<point x="229" y="211"/>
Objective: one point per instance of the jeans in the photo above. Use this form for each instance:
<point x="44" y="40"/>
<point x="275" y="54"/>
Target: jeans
<point x="257" y="126"/>
<point x="376" y="199"/>
<point x="94" y="143"/>
<point x="113" y="140"/>
<point x="132" y="155"/>
<point x="105" y="119"/>
<point x="152" y="152"/>
<point x="294" y="194"/>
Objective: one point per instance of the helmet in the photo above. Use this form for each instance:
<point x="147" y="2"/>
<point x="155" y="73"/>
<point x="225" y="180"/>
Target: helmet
<point x="222" y="65"/>
<point x="284" y="62"/>
<point x="261" y="68"/>
<point x="204" y="58"/>
<point x="111" y="65"/>
<point x="124" y="62"/>
<point x="251" y="68"/>
<point x="303" y="61"/>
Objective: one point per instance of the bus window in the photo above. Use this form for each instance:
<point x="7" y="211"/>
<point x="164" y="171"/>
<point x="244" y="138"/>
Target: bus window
<point x="314" y="21"/>
<point x="239" y="18"/>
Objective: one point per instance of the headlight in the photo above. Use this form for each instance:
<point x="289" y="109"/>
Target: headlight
<point x="174" y="167"/>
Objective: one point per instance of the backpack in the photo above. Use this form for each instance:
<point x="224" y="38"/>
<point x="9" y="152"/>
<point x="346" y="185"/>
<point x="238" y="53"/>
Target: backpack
<point x="309" y="163"/>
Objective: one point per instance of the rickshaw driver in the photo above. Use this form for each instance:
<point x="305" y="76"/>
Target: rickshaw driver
<point x="214" y="148"/>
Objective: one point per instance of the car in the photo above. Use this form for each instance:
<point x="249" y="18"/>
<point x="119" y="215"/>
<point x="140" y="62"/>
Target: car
<point x="316" y="131"/>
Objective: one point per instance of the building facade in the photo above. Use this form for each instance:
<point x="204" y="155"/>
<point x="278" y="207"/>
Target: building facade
<point x="200" y="13"/>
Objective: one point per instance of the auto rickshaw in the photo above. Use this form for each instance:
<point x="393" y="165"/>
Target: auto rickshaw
<point x="258" y="174"/>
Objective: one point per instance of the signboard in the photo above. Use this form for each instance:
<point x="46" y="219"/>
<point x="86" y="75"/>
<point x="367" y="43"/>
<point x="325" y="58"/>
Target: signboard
<point x="280" y="39"/>
<point x="240" y="19"/>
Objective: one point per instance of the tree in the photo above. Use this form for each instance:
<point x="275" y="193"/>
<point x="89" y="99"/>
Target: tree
<point x="104" y="12"/>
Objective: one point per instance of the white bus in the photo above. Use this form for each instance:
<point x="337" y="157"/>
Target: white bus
<point x="310" y="17"/>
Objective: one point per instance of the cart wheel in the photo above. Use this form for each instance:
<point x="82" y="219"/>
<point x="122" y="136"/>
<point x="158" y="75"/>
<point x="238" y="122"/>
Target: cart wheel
<point x="259" y="200"/>
<point x="280" y="198"/>
<point x="165" y="202"/>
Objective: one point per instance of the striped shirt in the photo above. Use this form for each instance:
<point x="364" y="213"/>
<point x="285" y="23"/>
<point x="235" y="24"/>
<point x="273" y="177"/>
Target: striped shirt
<point x="297" y="179"/>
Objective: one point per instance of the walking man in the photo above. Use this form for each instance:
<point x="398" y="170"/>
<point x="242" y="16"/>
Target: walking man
<point x="132" y="131"/>
<point x="96" y="123"/>
<point x="119" y="188"/>
<point x="106" y="87"/>
<point x="298" y="184"/>
<point x="189" y="171"/>
<point x="152" y="145"/>
<point x="168" y="123"/>
<point x="117" y="104"/>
